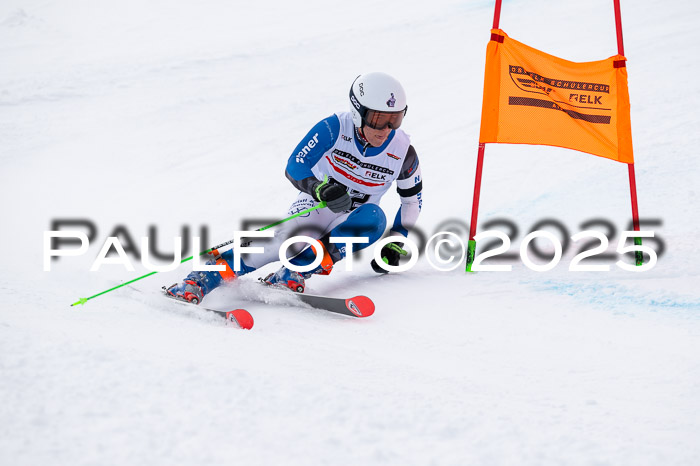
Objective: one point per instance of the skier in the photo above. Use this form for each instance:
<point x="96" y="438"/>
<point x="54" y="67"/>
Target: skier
<point x="348" y="160"/>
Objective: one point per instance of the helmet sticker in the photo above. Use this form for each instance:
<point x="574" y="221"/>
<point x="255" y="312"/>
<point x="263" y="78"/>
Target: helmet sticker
<point x="355" y="102"/>
<point x="377" y="92"/>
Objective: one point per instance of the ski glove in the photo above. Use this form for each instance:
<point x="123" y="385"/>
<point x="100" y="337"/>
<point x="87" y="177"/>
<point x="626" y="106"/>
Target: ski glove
<point x="391" y="253"/>
<point x="334" y="194"/>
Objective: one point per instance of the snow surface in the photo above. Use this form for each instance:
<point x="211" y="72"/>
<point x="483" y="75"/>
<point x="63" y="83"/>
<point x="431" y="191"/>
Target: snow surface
<point x="170" y="114"/>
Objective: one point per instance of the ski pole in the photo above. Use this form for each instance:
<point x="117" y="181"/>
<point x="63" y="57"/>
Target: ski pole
<point x="298" y="214"/>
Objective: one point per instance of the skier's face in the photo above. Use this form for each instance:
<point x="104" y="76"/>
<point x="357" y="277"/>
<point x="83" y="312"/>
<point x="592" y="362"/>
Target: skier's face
<point x="376" y="137"/>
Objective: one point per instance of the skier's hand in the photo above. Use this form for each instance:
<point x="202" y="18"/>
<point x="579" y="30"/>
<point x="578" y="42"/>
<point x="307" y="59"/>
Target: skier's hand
<point x="335" y="195"/>
<point x="391" y="253"/>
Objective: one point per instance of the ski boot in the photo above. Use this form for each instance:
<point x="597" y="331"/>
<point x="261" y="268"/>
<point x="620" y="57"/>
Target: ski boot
<point x="286" y="278"/>
<point x="295" y="281"/>
<point x="200" y="283"/>
<point x="188" y="290"/>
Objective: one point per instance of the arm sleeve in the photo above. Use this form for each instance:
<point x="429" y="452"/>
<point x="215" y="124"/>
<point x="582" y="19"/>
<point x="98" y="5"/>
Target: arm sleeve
<point x="309" y="151"/>
<point x="409" y="186"/>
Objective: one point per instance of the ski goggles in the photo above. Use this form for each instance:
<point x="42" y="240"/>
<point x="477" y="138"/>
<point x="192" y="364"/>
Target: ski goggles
<point x="380" y="120"/>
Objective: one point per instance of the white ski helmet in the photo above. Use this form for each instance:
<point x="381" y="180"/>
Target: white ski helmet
<point x="377" y="100"/>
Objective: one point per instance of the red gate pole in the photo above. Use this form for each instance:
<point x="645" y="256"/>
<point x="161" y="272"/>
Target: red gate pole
<point x="618" y="26"/>
<point x="630" y="166"/>
<point x="479" y="168"/>
<point x="475" y="206"/>
<point x="497" y="14"/>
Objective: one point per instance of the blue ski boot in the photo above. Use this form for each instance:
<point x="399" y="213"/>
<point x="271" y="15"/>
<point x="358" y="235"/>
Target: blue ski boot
<point x="198" y="284"/>
<point x="295" y="281"/>
<point x="188" y="290"/>
<point x="286" y="278"/>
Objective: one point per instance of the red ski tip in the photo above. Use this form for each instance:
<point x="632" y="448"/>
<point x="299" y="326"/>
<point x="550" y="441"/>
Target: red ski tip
<point x="361" y="306"/>
<point x="240" y="317"/>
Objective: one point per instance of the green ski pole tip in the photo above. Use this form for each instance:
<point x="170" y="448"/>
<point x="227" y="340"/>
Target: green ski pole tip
<point x="80" y="301"/>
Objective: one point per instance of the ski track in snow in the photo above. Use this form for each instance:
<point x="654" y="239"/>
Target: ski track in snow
<point x="143" y="114"/>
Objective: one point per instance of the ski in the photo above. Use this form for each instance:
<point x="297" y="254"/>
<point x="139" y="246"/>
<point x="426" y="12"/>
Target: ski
<point x="357" y="306"/>
<point x="239" y="317"/>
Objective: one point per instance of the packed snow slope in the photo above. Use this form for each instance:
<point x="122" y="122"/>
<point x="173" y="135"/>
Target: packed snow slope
<point x="137" y="114"/>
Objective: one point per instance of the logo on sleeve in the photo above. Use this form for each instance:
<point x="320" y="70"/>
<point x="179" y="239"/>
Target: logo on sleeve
<point x="305" y="150"/>
<point x="413" y="168"/>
